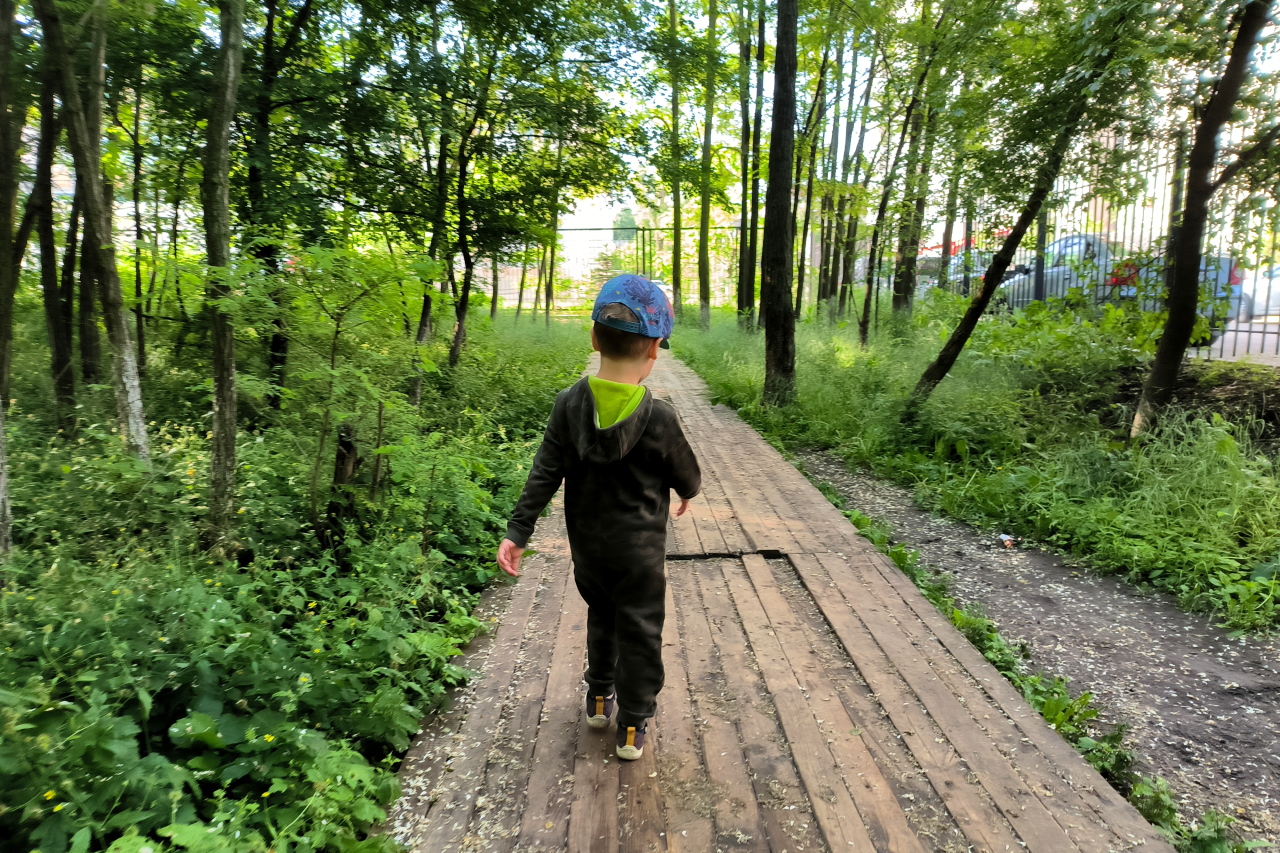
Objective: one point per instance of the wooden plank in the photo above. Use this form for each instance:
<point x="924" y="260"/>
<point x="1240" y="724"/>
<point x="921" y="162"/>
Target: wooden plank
<point x="1034" y="822"/>
<point x="708" y="530"/>
<point x="425" y="762"/>
<point x="871" y="793"/>
<point x="507" y="776"/>
<point x="451" y="813"/>
<point x="1028" y="734"/>
<point x="836" y="813"/>
<point x="730" y="529"/>
<point x="913" y="783"/>
<point x="545" y="821"/>
<point x="641" y="825"/>
<point x="593" y="814"/>
<point x="784" y="813"/>
<point x="760" y="522"/>
<point x="974" y="812"/>
<point x="685" y="785"/>
<point x="737" y="814"/>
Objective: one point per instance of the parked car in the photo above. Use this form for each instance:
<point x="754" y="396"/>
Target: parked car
<point x="1079" y="260"/>
<point x="1260" y="295"/>
<point x="1104" y="275"/>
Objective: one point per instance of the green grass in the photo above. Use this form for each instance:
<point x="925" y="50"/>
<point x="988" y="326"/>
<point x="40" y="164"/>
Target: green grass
<point x="1028" y="434"/>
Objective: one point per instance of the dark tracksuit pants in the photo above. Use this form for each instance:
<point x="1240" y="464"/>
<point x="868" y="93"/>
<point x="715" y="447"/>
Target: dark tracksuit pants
<point x="626" y="608"/>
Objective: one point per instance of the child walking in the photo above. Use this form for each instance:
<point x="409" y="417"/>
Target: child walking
<point x="619" y="453"/>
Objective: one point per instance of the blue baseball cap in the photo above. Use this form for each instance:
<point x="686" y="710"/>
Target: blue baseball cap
<point x="644" y="298"/>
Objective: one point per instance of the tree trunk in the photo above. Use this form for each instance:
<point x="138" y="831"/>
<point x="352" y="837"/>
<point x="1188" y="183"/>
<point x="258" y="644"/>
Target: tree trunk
<point x="848" y="235"/>
<point x="524" y="275"/>
<point x="904" y="285"/>
<point x="1184" y="290"/>
<point x="493" y="296"/>
<point x="948" y="229"/>
<point x="756" y="124"/>
<point x="12" y="119"/>
<point x="60" y="340"/>
<point x="215" y="196"/>
<point x="97" y="211"/>
<point x="465" y="146"/>
<point x="704" y="218"/>
<point x="775" y="264"/>
<point x="744" y="159"/>
<point x="90" y="340"/>
<point x="260" y="186"/>
<point x="804" y="230"/>
<point x="677" y="295"/>
<point x="902" y="279"/>
<point x="140" y="329"/>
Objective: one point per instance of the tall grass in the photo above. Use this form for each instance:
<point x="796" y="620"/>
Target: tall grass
<point x="1028" y="434"/>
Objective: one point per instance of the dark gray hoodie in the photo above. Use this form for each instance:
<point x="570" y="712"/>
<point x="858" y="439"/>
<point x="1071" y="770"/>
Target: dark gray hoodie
<point x="618" y="480"/>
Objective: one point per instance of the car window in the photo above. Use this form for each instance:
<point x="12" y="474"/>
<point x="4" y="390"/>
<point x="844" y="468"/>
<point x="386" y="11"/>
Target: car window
<point x="1068" y="251"/>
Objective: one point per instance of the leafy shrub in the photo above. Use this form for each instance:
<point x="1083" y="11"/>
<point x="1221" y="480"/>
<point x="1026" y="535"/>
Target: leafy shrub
<point x="155" y="697"/>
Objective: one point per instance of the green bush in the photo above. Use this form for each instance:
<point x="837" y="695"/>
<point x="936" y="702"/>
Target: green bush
<point x="153" y="696"/>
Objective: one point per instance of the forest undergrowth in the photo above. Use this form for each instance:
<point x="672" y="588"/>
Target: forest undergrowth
<point x="157" y="698"/>
<point x="1029" y="434"/>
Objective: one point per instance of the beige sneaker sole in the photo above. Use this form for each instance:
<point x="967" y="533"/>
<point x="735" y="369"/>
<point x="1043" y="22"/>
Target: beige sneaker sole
<point x="630" y="753"/>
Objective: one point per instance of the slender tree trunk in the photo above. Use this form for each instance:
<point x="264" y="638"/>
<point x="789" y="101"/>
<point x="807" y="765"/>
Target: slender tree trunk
<point x="67" y="290"/>
<point x="261" y="190"/>
<point x="1184" y="291"/>
<point x="948" y="229"/>
<point x="804" y="231"/>
<point x="904" y="285"/>
<point x="90" y="340"/>
<point x="744" y="159"/>
<point x="493" y="297"/>
<point x="677" y="156"/>
<point x="524" y="275"/>
<point x="465" y="146"/>
<point x="823" y="290"/>
<point x="704" y="218"/>
<point x="756" y="125"/>
<point x="140" y="329"/>
<point x="775" y="289"/>
<point x="12" y="119"/>
<point x="216" y="199"/>
<point x="60" y="340"/>
<point x="97" y="210"/>
<point x="902" y="280"/>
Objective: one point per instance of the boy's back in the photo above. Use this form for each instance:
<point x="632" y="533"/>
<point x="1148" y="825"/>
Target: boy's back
<point x="618" y="480"/>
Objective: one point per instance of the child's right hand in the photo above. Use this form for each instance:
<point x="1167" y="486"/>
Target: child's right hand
<point x="509" y="556"/>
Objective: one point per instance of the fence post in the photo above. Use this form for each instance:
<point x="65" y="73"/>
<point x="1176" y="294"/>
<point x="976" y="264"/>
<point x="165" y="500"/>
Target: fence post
<point x="1042" y="225"/>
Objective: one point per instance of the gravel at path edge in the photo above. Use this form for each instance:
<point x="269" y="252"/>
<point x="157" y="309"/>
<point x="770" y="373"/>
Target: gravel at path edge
<point x="1203" y="707"/>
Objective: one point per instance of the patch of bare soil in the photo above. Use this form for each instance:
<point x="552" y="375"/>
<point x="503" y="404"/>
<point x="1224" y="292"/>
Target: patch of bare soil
<point x="1203" y="707"/>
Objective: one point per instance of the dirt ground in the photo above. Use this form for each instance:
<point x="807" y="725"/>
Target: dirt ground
<point x="1203" y="707"/>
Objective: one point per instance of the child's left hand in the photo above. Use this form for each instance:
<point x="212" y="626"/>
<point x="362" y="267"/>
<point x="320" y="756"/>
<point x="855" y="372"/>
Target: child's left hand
<point x="684" y="507"/>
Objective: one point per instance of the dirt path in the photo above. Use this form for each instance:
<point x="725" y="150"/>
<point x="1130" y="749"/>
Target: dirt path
<point x="1203" y="707"/>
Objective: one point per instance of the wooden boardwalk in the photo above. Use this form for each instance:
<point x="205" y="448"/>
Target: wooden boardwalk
<point x="814" y="701"/>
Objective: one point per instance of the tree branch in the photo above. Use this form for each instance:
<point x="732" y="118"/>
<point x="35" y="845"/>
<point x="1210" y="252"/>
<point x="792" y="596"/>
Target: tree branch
<point x="1251" y="153"/>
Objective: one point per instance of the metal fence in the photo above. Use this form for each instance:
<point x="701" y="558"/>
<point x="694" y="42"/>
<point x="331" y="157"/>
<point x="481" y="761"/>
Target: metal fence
<point x="1111" y="247"/>
<point x="587" y="257"/>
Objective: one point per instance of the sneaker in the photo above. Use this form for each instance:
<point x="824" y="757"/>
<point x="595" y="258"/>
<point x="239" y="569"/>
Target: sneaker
<point x="599" y="710"/>
<point x="631" y="742"/>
